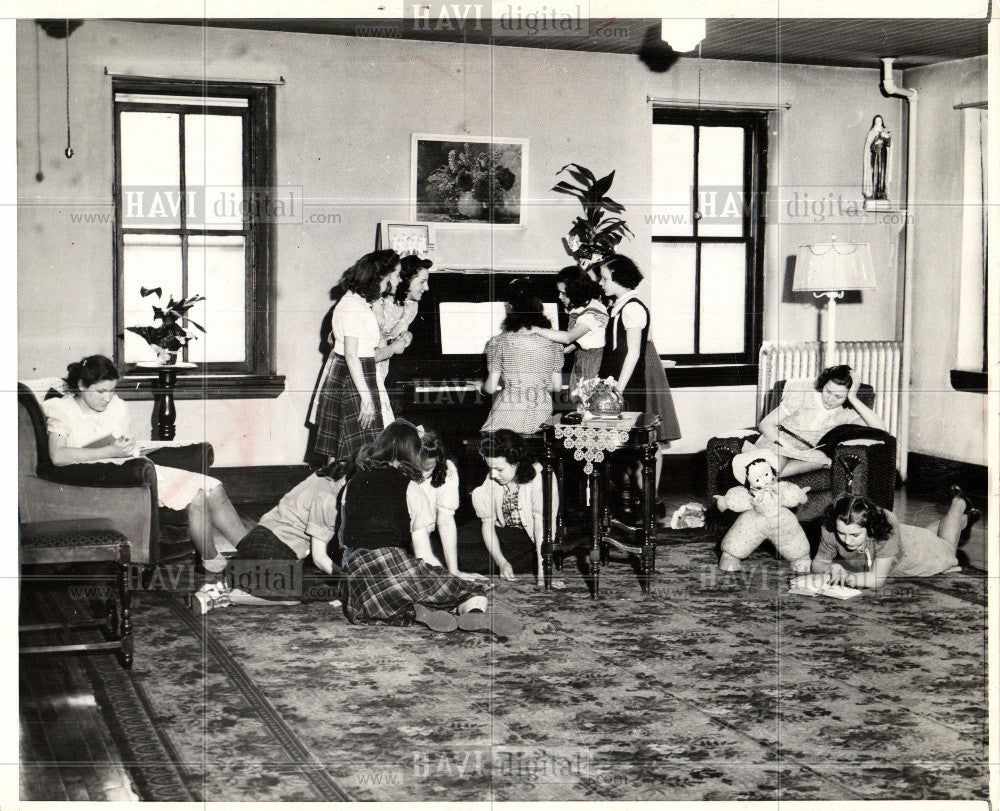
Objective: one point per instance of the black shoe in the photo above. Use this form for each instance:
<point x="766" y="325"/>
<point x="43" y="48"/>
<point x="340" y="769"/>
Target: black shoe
<point x="973" y="513"/>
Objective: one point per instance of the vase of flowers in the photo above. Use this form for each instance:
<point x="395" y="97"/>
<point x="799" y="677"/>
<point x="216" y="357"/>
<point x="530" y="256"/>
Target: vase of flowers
<point x="599" y="398"/>
<point x="169" y="333"/>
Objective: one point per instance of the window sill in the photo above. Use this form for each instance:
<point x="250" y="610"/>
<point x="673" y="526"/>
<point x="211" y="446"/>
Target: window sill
<point x="690" y="377"/>
<point x="193" y="386"/>
<point x="974" y="382"/>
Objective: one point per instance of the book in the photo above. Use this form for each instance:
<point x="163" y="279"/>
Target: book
<point x="103" y="442"/>
<point x="803" y="585"/>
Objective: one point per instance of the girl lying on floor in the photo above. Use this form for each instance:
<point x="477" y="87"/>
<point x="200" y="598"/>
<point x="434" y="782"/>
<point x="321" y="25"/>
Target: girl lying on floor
<point x="862" y="544"/>
<point x="299" y="528"/>
<point x="390" y="574"/>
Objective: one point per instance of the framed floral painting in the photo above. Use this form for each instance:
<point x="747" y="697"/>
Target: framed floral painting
<point x="461" y="180"/>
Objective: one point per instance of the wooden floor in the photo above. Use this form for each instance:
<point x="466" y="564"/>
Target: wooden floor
<point x="68" y="752"/>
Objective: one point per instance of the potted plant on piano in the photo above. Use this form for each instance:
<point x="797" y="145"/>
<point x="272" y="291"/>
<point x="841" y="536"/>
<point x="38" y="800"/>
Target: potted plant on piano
<point x="170" y="332"/>
<point x="595" y="235"/>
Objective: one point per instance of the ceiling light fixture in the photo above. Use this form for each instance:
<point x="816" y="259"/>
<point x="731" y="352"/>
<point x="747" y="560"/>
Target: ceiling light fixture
<point x="682" y="35"/>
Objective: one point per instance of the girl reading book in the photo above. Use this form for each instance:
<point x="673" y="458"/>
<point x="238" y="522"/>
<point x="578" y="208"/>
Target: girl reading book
<point x="91" y="424"/>
<point x="861" y="544"/>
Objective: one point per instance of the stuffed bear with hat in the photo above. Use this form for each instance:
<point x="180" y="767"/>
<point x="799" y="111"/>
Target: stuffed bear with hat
<point x="763" y="502"/>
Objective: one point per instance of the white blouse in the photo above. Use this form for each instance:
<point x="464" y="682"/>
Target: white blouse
<point x="353" y="317"/>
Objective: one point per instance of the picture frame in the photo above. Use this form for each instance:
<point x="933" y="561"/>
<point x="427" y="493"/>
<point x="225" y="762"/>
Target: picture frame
<point x="407" y="238"/>
<point x="465" y="181"/>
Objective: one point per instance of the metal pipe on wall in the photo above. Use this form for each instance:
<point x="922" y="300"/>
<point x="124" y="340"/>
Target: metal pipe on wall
<point x="892" y="89"/>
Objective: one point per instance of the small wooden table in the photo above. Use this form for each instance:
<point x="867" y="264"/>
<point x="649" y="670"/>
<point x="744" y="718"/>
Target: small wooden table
<point x="164" y="411"/>
<point x="593" y="442"/>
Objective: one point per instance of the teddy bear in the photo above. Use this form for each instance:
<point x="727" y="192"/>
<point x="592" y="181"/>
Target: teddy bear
<point x="763" y="503"/>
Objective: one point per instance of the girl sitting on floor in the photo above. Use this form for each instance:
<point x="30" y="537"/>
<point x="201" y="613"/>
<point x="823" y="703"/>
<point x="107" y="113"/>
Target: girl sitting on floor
<point x="509" y="506"/>
<point x="390" y="574"/>
<point x="861" y="544"/>
<point x="440" y="485"/>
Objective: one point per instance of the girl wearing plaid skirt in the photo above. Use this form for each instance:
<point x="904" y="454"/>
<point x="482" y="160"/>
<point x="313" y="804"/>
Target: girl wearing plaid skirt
<point x="351" y="407"/>
<point x="391" y="575"/>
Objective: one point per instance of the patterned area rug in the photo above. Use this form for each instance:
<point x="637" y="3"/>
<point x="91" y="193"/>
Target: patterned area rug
<point x="712" y="687"/>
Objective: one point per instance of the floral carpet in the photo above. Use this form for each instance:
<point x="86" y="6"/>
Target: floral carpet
<point x="712" y="687"/>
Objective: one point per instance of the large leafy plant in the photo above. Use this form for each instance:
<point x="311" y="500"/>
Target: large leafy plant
<point x="169" y="332"/>
<point x="594" y="236"/>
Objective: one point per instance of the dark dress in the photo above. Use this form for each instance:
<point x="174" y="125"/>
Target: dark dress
<point x="615" y="349"/>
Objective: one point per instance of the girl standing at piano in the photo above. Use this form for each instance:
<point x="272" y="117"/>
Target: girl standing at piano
<point x="395" y="311"/>
<point x="351" y="406"/>
<point x="588" y="319"/>
<point x="627" y="331"/>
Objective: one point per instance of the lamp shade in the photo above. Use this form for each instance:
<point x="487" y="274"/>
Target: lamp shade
<point x="834" y="266"/>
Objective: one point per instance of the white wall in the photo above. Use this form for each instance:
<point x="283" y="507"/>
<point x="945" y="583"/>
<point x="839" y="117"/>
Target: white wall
<point x="344" y="120"/>
<point x="943" y="422"/>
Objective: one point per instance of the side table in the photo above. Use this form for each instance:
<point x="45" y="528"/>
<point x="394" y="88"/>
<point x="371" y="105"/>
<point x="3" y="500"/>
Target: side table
<point x="593" y="442"/>
<point x="164" y="410"/>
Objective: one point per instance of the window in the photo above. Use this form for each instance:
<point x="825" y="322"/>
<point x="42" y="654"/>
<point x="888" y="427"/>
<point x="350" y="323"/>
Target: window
<point x="194" y="211"/>
<point x="708" y="179"/>
<point x="969" y="373"/>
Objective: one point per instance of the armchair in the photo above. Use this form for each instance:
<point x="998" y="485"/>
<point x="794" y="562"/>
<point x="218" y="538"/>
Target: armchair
<point x="123" y="494"/>
<point x="862" y="466"/>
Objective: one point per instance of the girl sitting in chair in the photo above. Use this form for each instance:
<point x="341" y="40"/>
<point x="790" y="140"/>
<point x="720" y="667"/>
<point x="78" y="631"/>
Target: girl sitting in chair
<point x="91" y="424"/>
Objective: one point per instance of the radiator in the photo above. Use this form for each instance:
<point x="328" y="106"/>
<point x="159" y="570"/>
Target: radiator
<point x="877" y="363"/>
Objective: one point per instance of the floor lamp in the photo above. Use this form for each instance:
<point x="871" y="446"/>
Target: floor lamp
<point x="829" y="269"/>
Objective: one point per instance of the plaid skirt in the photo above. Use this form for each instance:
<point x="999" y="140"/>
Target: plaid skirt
<point x="338" y="433"/>
<point x="380" y="586"/>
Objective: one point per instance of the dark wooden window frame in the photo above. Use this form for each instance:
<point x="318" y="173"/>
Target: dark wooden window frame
<point x="736" y="368"/>
<point x="256" y="377"/>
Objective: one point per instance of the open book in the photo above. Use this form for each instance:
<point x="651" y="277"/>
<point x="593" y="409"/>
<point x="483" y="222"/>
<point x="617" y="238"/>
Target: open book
<point x="795" y="447"/>
<point x="804" y="585"/>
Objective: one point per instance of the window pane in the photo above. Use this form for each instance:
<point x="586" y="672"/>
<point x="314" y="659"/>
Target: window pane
<point x="673" y="179"/>
<point x="150" y="261"/>
<point x="214" y="161"/>
<point x="672" y="309"/>
<point x="723" y="298"/>
<point x="217" y="270"/>
<point x="720" y="181"/>
<point x="150" y="153"/>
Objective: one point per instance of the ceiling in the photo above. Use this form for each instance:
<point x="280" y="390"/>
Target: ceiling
<point x="843" y="42"/>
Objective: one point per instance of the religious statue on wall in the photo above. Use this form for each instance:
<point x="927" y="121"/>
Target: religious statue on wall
<point x="876" y="161"/>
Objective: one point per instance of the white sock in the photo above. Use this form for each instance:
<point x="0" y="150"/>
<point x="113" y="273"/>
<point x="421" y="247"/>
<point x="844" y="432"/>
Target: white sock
<point x="214" y="565"/>
<point x="476" y="603"/>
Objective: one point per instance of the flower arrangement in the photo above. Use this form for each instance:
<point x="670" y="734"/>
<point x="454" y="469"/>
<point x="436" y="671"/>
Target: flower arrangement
<point x="593" y="236"/>
<point x="169" y="333"/>
<point x="469" y="184"/>
<point x="599" y="398"/>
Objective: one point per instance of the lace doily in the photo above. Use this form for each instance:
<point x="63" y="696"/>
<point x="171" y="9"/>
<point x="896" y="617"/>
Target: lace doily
<point x="589" y="443"/>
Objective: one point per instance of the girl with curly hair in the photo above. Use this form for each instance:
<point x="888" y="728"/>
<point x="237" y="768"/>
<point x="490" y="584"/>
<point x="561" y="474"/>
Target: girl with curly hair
<point x="523" y="369"/>
<point x="862" y="545"/>
<point x="351" y="406"/>
<point x="509" y="506"/>
<point x="391" y="576"/>
<point x="395" y="311"/>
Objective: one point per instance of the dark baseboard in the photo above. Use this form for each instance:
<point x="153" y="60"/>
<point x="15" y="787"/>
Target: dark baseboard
<point x="931" y="475"/>
<point x="263" y="484"/>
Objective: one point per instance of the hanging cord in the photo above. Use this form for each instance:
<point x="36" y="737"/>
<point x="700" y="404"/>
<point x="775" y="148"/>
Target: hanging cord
<point x="69" y="147"/>
<point x="39" y="175"/>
